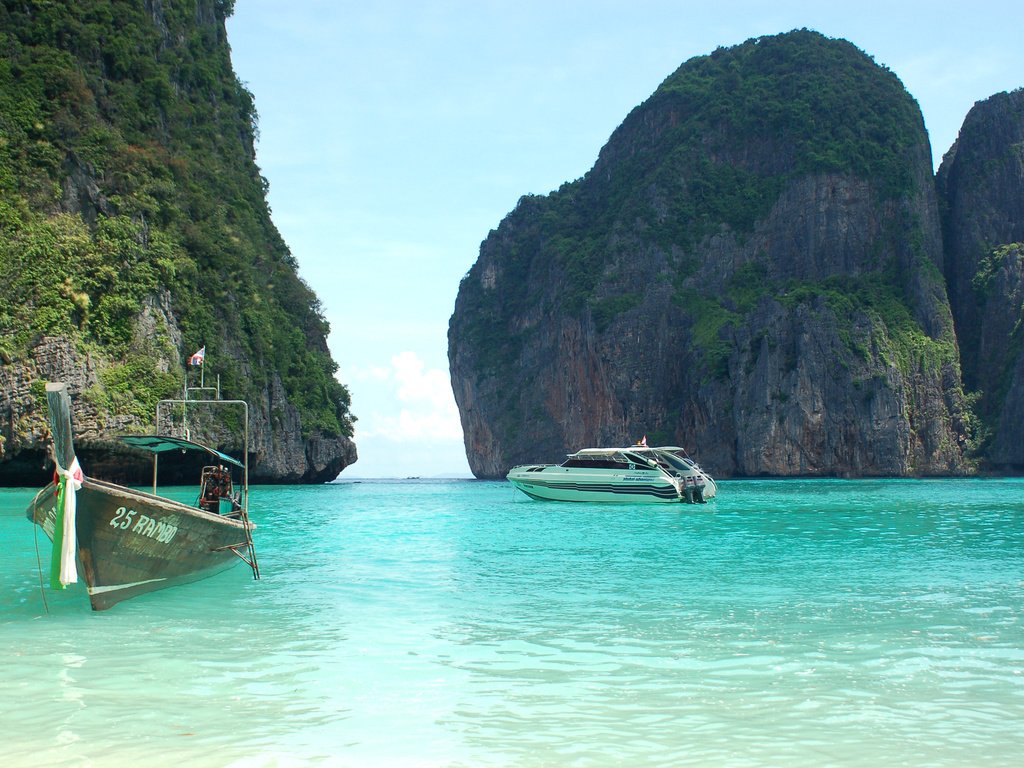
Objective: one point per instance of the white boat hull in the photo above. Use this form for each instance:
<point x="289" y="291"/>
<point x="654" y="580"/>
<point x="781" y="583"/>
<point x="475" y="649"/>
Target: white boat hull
<point x="556" y="483"/>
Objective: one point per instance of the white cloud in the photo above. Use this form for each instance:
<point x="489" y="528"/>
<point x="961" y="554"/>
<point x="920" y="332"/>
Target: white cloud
<point x="360" y="373"/>
<point x="420" y="385"/>
<point x="419" y="403"/>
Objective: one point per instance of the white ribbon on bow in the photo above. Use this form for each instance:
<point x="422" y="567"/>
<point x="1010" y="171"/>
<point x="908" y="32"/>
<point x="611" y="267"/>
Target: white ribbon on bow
<point x="72" y="478"/>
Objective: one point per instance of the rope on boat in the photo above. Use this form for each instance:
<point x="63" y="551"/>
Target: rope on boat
<point x="39" y="564"/>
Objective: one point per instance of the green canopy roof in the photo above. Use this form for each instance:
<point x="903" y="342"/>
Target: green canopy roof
<point x="161" y="443"/>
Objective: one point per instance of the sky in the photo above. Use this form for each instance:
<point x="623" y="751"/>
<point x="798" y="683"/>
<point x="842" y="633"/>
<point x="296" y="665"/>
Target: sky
<point x="396" y="135"/>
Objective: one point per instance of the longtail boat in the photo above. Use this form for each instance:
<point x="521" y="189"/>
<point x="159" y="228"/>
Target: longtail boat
<point x="128" y="542"/>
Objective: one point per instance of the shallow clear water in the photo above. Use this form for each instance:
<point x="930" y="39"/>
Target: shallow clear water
<point x="788" y="623"/>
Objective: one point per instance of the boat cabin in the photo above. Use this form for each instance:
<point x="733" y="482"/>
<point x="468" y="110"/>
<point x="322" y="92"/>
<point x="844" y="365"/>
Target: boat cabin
<point x="218" y="494"/>
<point x="216" y="491"/>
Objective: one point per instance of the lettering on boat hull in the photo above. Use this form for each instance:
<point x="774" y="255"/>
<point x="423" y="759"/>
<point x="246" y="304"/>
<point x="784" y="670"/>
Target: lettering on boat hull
<point x="146" y="526"/>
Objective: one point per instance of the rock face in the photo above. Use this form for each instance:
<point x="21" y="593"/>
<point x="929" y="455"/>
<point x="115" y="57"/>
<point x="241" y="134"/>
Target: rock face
<point x="279" y="453"/>
<point x="981" y="186"/>
<point x="134" y="229"/>
<point x="751" y="270"/>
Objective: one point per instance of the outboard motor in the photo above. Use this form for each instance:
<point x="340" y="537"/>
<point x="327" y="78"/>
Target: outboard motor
<point x="698" y="489"/>
<point x="688" y="485"/>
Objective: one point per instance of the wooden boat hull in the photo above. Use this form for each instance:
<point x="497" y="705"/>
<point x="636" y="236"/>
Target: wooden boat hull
<point x="131" y="542"/>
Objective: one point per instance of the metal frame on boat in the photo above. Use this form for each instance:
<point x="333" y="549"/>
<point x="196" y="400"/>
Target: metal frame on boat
<point x="130" y="542"/>
<point x="638" y="474"/>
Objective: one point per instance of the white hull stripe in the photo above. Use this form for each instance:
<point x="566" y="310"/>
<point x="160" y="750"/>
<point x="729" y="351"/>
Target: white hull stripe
<point x="662" y="491"/>
<point x="115" y="587"/>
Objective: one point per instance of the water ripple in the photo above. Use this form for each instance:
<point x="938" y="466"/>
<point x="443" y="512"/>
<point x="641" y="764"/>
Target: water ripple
<point x="797" y="623"/>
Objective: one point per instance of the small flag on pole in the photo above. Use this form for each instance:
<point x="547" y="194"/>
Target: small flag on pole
<point x="198" y="357"/>
<point x="643" y="441"/>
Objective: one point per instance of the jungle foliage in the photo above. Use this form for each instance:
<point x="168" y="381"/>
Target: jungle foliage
<point x="127" y="169"/>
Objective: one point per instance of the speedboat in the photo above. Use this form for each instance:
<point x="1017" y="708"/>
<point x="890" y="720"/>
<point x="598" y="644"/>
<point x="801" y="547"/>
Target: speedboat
<point x="640" y="474"/>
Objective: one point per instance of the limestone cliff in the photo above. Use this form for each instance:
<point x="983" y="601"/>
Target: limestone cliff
<point x="981" y="186"/>
<point x="751" y="269"/>
<point x="134" y="229"/>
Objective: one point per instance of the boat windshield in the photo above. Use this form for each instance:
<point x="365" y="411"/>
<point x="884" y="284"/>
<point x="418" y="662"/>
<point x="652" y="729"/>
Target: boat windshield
<point x="620" y="460"/>
<point x="601" y="461"/>
<point x="678" y="462"/>
<point x="635" y="458"/>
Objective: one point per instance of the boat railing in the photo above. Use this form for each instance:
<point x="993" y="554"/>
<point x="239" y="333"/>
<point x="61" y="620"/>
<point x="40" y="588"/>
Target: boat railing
<point x="243" y="512"/>
<point x="184" y="403"/>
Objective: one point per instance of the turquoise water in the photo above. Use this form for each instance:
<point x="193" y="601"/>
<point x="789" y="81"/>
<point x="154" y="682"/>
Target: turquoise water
<point x="789" y="623"/>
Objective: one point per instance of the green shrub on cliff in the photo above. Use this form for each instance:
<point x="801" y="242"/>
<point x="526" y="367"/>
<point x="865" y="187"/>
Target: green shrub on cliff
<point x="823" y="103"/>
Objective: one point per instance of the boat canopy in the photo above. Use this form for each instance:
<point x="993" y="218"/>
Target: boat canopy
<point x="601" y="451"/>
<point x="162" y="443"/>
<point x="670" y="454"/>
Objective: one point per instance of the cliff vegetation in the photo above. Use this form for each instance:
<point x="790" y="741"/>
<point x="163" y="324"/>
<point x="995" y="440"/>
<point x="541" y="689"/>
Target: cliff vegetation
<point x="134" y="229"/>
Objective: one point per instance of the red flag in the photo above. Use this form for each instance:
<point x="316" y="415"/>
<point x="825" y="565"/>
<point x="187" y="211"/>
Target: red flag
<point x="198" y="357"/>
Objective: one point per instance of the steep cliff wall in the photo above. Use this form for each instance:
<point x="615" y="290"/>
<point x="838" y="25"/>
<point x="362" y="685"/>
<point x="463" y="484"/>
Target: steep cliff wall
<point x="134" y="229"/>
<point x="752" y="270"/>
<point x="981" y="186"/>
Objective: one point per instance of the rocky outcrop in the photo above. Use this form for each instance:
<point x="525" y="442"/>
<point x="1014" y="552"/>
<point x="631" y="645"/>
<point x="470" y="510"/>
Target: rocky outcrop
<point x="136" y="230"/>
<point x="751" y="270"/>
<point x="981" y="185"/>
<point x="278" y="450"/>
